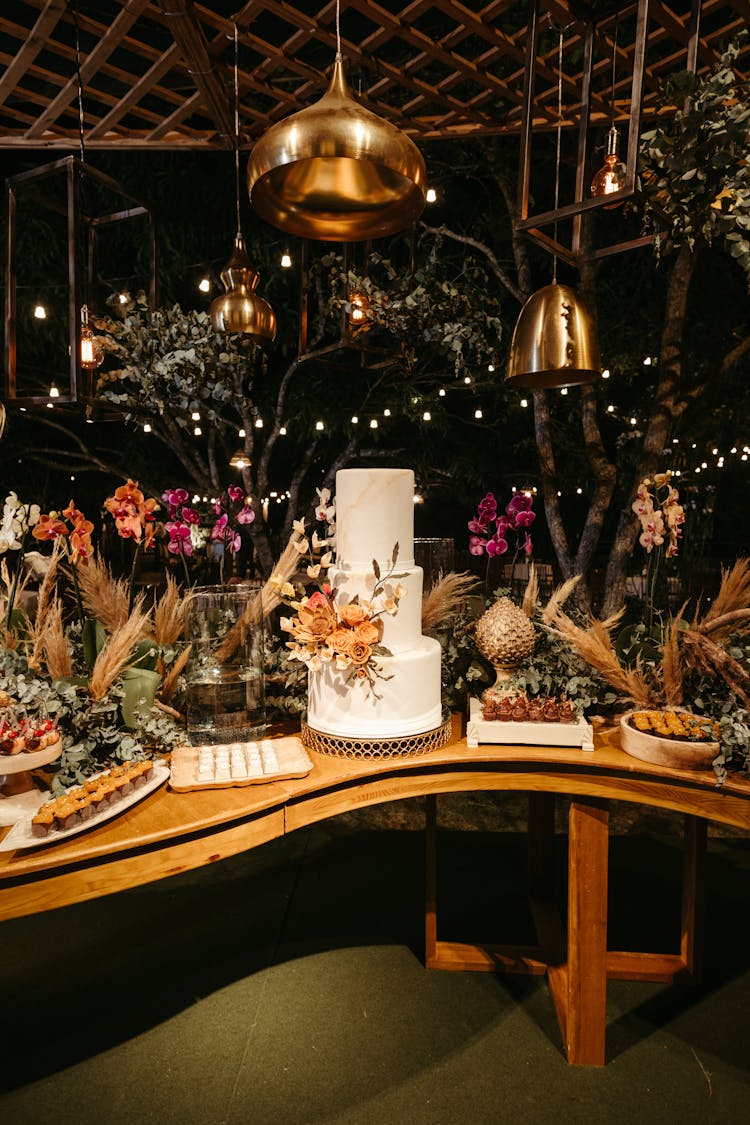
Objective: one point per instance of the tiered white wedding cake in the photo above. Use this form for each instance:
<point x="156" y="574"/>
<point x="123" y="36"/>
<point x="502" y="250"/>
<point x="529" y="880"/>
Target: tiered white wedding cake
<point x="374" y="512"/>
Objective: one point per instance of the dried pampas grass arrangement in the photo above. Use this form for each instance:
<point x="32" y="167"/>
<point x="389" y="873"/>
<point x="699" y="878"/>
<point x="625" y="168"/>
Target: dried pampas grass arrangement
<point x="684" y="648"/>
<point x="446" y="598"/>
<point x="57" y="655"/>
<point x="116" y="653"/>
<point x="268" y="599"/>
<point x="104" y="597"/>
<point x="593" y="643"/>
<point x="44" y="600"/>
<point x="170" y="613"/>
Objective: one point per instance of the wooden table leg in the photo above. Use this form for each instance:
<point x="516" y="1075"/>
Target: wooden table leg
<point x="588" y="853"/>
<point x="693" y="887"/>
<point x="430" y="908"/>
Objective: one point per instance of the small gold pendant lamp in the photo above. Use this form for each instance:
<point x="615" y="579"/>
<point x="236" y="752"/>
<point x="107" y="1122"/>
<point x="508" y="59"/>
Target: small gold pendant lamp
<point x="554" y="342"/>
<point x="240" y="309"/>
<point x="337" y="172"/>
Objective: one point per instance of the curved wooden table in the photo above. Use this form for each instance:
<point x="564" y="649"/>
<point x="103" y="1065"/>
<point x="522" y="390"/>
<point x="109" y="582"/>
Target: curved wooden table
<point x="170" y="832"/>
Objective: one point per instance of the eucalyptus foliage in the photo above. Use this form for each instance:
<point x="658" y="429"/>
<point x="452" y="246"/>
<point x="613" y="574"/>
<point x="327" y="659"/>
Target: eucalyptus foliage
<point x="92" y="731"/>
<point x="695" y="175"/>
<point x="171" y="360"/>
<point x="440" y="318"/>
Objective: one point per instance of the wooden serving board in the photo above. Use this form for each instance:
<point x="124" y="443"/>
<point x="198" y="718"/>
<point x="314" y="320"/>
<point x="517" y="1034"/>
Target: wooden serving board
<point x="291" y="755"/>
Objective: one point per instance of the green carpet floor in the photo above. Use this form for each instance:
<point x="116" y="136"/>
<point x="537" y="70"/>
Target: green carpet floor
<point x="287" y="986"/>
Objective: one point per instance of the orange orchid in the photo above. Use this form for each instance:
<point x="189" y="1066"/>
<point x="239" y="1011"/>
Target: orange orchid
<point x="132" y="513"/>
<point x="49" y="527"/>
<point x="81" y="547"/>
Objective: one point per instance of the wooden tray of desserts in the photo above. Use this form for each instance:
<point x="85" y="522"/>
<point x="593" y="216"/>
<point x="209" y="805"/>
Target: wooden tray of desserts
<point x="30" y="831"/>
<point x="238" y="763"/>
<point x="224" y="765"/>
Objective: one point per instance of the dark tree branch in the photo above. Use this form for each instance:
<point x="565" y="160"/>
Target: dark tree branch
<point x="482" y="248"/>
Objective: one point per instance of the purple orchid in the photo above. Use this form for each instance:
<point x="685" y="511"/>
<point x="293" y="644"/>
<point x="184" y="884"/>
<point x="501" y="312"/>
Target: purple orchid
<point x="491" y="533"/>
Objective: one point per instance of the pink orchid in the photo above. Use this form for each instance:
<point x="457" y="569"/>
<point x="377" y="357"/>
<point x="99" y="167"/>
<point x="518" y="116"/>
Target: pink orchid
<point x="496" y="546"/>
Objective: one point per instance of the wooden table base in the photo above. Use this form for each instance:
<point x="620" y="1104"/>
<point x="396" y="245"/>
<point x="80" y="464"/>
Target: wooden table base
<point x="574" y="957"/>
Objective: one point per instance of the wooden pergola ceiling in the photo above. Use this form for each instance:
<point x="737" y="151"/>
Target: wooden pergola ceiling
<point x="159" y="73"/>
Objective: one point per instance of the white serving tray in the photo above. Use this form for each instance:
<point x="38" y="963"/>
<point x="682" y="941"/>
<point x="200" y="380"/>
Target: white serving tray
<point x="479" y="730"/>
<point x="21" y="835"/>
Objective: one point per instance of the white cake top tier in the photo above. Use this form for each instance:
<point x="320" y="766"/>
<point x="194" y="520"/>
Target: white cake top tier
<point x="374" y="511"/>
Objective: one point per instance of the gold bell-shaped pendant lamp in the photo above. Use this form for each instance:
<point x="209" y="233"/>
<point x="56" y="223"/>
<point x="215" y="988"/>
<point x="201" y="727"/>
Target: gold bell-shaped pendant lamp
<point x="240" y="310"/>
<point x="554" y="342"/>
<point x="337" y="172"/>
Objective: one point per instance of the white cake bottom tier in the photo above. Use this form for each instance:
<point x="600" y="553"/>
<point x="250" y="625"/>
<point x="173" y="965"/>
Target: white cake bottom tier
<point x="402" y="630"/>
<point x="409" y="702"/>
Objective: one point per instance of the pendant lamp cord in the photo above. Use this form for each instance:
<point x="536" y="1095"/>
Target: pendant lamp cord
<point x="79" y="81"/>
<point x="614" y="65"/>
<point x="338" y="29"/>
<point x="79" y="85"/>
<point x="237" y="132"/>
<point x="559" y="137"/>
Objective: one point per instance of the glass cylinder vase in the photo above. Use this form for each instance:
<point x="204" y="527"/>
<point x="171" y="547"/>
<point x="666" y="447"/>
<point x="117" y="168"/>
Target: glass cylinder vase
<point x="225" y="673"/>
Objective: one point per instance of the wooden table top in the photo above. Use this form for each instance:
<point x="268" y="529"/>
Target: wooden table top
<point x="339" y="784"/>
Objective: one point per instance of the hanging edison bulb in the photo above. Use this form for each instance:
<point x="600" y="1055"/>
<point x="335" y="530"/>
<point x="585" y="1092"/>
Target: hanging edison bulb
<point x="92" y="350"/>
<point x="359" y="305"/>
<point x="611" y="176"/>
<point x="240" y="309"/>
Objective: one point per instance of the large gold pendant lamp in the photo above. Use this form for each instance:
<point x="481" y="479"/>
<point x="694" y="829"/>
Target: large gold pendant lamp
<point x="335" y="171"/>
<point x="554" y="342"/>
<point x="240" y="310"/>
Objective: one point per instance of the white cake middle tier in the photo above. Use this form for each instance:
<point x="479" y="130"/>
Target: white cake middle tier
<point x="401" y="630"/>
<point x="409" y="699"/>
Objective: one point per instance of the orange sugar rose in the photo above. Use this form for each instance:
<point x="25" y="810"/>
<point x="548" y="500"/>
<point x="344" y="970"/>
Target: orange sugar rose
<point x="352" y="615"/>
<point x="369" y="633"/>
<point x="359" y="652"/>
<point x="339" y="640"/>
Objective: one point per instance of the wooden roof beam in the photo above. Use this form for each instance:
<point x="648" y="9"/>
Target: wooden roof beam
<point x="48" y="18"/>
<point x="104" y="48"/>
<point x="188" y="34"/>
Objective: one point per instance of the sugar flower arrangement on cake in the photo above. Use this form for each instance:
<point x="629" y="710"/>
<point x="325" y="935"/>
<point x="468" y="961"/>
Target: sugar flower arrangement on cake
<point x="325" y="630"/>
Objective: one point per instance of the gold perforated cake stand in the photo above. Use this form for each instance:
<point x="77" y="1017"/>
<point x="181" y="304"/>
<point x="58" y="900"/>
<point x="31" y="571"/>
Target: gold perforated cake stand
<point x="407" y="746"/>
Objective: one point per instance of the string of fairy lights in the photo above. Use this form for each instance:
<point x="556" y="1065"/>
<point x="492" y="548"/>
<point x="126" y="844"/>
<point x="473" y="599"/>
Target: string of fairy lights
<point x="685" y="459"/>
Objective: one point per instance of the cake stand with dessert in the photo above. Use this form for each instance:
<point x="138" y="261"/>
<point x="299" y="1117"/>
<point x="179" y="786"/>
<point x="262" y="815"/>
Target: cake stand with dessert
<point x="26" y="744"/>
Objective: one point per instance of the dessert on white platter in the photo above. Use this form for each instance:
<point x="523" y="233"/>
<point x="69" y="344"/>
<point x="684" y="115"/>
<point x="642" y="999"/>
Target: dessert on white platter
<point x="374" y="513"/>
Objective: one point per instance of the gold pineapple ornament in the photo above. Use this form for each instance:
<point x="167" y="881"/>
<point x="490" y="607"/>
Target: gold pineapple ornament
<point x="505" y="636"/>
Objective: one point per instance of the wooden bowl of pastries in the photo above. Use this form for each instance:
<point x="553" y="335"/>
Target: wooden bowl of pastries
<point x="670" y="737"/>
